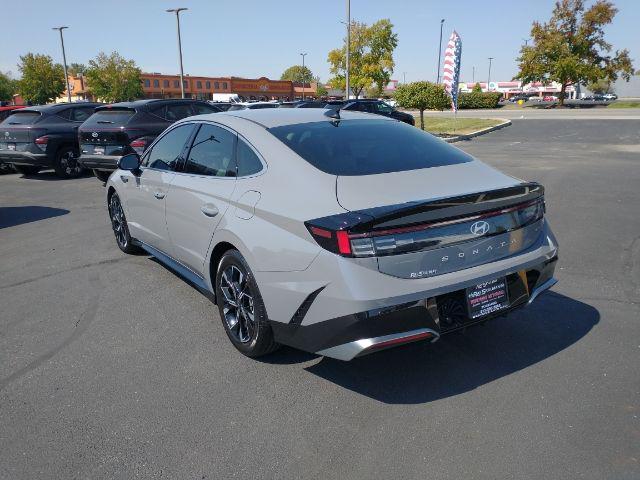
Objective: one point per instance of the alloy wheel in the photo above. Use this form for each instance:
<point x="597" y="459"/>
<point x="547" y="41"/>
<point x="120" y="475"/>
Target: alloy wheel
<point x="238" y="307"/>
<point x="118" y="222"/>
<point x="69" y="164"/>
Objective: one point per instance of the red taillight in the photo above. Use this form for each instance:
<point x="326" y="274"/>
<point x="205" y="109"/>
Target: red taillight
<point x="138" y="146"/>
<point x="41" y="142"/>
<point x="344" y="245"/>
<point x="336" y="241"/>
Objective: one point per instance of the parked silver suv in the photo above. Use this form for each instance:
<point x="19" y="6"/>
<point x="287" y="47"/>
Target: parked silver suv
<point x="335" y="232"/>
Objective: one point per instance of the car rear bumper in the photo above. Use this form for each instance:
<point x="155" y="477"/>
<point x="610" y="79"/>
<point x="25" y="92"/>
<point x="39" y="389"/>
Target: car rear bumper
<point x="25" y="158"/>
<point x="362" y="333"/>
<point x="344" y="308"/>
<point x="99" y="162"/>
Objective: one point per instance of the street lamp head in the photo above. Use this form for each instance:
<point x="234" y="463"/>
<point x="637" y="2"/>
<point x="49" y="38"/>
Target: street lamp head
<point x="58" y="28"/>
<point x="177" y="10"/>
<point x="442" y="21"/>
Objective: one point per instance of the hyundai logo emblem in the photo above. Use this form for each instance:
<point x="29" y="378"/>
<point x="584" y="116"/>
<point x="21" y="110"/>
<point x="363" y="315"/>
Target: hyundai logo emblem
<point x="94" y="134"/>
<point x="480" y="228"/>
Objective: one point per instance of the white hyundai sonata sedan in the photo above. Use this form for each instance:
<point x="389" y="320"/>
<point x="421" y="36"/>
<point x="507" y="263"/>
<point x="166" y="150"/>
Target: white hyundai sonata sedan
<point x="335" y="232"/>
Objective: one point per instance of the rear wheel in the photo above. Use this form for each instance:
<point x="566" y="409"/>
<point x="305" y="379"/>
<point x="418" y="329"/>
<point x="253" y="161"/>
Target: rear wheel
<point x="66" y="164"/>
<point x="26" y="169"/>
<point x="102" y="175"/>
<point x="242" y="310"/>
<point x="120" y="227"/>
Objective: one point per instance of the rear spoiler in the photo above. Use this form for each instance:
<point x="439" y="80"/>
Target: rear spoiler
<point x="419" y="212"/>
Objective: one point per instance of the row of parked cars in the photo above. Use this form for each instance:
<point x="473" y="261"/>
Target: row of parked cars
<point x="73" y="137"/>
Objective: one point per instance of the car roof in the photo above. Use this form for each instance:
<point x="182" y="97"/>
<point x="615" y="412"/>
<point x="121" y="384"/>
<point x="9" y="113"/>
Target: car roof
<point x="11" y="107"/>
<point x="56" y="107"/>
<point x="146" y="101"/>
<point x="277" y="117"/>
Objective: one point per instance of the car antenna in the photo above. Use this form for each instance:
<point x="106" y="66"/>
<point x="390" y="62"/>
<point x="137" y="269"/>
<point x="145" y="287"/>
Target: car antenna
<point x="332" y="113"/>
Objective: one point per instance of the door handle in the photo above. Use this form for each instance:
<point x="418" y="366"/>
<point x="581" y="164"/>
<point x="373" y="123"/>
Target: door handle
<point x="209" y="210"/>
<point x="159" y="195"/>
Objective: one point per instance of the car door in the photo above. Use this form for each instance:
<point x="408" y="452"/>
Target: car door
<point x="200" y="193"/>
<point x="146" y="191"/>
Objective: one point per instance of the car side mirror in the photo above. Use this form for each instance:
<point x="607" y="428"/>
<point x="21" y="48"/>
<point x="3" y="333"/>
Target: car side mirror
<point x="130" y="162"/>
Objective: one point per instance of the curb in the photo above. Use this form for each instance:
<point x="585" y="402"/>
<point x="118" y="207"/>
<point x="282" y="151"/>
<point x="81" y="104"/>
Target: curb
<point x="468" y="136"/>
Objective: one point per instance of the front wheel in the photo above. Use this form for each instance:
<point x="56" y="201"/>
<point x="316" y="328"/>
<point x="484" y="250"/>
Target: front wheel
<point x="242" y="310"/>
<point x="120" y="227"/>
<point x="66" y="164"/>
<point x="26" y="169"/>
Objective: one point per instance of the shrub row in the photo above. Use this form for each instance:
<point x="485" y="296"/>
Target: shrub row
<point x="478" y="100"/>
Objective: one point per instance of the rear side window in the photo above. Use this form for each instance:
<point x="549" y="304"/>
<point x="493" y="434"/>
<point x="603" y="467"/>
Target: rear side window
<point x="110" y="117"/>
<point x="178" y="112"/>
<point x="201" y="108"/>
<point x="248" y="161"/>
<point x="367" y="147"/>
<point x="166" y="154"/>
<point x="212" y="152"/>
<point x="80" y="114"/>
<point x="22" y="118"/>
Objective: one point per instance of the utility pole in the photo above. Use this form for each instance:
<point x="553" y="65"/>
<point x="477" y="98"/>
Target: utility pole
<point x="303" y="74"/>
<point x="439" y="53"/>
<point x="404" y="77"/>
<point x="348" y="90"/>
<point x="473" y="74"/>
<point x="489" y="78"/>
<point x="64" y="62"/>
<point x="177" y="12"/>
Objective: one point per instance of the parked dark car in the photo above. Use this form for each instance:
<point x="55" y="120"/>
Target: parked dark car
<point x="595" y="98"/>
<point x="121" y="128"/>
<point x="44" y="136"/>
<point x="521" y="96"/>
<point x="374" y="106"/>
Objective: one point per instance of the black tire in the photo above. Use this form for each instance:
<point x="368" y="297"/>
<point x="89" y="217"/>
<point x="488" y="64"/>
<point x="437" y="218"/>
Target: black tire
<point x="120" y="227"/>
<point x="26" y="169"/>
<point x="102" y="175"/>
<point x="252" y="338"/>
<point x="66" y="164"/>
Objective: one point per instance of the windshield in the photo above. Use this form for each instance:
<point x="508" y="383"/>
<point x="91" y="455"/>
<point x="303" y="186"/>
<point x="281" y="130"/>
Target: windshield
<point x="110" y="117"/>
<point x="22" y="118"/>
<point x="367" y="147"/>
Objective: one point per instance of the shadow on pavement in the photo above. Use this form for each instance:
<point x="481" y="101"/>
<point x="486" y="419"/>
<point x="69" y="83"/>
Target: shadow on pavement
<point x="50" y="176"/>
<point x="458" y="363"/>
<point x="12" y="216"/>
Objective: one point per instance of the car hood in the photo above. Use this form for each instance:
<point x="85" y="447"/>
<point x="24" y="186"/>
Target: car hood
<point x="369" y="191"/>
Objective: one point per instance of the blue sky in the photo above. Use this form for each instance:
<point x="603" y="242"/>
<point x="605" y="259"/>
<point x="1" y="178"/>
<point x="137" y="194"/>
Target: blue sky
<point x="252" y="38"/>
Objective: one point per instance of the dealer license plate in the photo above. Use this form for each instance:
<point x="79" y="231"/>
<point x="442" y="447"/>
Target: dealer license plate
<point x="487" y="297"/>
<point x="98" y="150"/>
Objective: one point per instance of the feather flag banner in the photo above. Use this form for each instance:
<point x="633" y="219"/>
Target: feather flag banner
<point x="451" y="75"/>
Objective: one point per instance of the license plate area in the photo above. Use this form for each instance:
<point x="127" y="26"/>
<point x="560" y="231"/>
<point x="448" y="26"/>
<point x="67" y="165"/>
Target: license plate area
<point x="11" y="146"/>
<point x="98" y="150"/>
<point x="487" y="298"/>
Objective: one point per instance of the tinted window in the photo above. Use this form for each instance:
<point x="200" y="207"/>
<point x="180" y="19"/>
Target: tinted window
<point x="212" y="152"/>
<point x="177" y="112"/>
<point x="383" y="108"/>
<point x="248" y="161"/>
<point x="166" y="153"/>
<point x="201" y="108"/>
<point x="80" y="114"/>
<point x="111" y="117"/>
<point x="22" y="118"/>
<point x="367" y="147"/>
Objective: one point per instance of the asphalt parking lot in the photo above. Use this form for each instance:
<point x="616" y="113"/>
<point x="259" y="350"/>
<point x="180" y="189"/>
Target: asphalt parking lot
<point x="113" y="367"/>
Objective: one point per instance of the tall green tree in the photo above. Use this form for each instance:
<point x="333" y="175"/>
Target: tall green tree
<point x="8" y="86"/>
<point x="297" y="73"/>
<point x="112" y="78"/>
<point x="601" y="86"/>
<point x="371" y="57"/>
<point x="422" y="96"/>
<point x="571" y="47"/>
<point x="42" y="81"/>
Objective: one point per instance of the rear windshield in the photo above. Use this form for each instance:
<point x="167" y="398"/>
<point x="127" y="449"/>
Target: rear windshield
<point x="22" y="118"/>
<point x="367" y="147"/>
<point x="110" y="117"/>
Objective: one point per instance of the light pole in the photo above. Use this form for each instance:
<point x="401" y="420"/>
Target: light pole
<point x="303" y="74"/>
<point x="64" y="62"/>
<point x="404" y="77"/>
<point x="473" y="75"/>
<point x="439" y="53"/>
<point x="177" y="12"/>
<point x="347" y="92"/>
<point x="489" y="78"/>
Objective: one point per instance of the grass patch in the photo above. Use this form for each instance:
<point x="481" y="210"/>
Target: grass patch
<point x="463" y="126"/>
<point x="625" y="104"/>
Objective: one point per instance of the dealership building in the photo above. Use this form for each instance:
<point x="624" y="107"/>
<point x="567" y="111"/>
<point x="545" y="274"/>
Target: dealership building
<point x="509" y="89"/>
<point x="158" y="85"/>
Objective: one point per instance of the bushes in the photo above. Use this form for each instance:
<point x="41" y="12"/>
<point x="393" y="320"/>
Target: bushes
<point x="479" y="100"/>
<point x="422" y="96"/>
